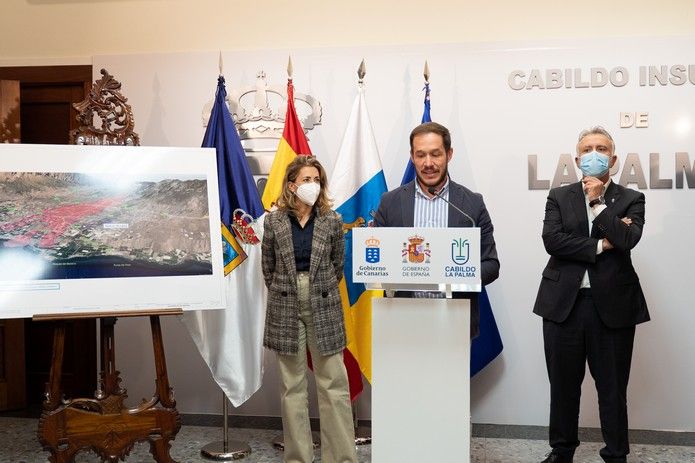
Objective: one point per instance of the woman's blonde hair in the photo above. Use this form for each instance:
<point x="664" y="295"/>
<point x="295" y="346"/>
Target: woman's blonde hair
<point x="288" y="200"/>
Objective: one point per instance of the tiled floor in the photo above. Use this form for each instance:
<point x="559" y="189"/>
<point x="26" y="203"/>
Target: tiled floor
<point x="18" y="444"/>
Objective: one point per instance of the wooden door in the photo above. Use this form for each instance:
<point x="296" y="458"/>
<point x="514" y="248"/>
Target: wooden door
<point x="9" y="111"/>
<point x="12" y="377"/>
<point x="46" y="116"/>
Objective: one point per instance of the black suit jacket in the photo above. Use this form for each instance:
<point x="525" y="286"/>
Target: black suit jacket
<point x="615" y="286"/>
<point x="397" y="209"/>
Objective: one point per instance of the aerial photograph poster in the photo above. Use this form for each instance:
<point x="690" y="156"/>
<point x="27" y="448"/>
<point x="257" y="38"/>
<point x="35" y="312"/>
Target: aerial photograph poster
<point x="72" y="225"/>
<point x="77" y="224"/>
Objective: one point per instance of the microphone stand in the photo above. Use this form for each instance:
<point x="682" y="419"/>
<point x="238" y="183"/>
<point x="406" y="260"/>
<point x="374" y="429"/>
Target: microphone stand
<point x="431" y="190"/>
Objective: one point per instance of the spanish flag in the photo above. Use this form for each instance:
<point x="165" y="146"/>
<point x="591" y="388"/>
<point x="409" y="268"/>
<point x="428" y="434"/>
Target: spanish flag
<point x="292" y="144"/>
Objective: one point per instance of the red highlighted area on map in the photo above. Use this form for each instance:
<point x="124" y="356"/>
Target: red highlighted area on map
<point x="80" y="226"/>
<point x="50" y="225"/>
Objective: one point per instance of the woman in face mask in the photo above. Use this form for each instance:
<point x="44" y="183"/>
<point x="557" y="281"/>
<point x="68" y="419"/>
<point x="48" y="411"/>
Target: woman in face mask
<point x="302" y="257"/>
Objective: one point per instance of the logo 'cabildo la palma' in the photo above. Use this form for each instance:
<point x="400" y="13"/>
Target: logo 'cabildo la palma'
<point x="460" y="251"/>
<point x="460" y="255"/>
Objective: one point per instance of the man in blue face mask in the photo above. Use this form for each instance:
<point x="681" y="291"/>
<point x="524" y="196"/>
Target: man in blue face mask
<point x="590" y="297"/>
<point x="595" y="158"/>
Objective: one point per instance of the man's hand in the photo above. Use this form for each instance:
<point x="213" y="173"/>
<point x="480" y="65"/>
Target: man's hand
<point x="607" y="244"/>
<point x="593" y="187"/>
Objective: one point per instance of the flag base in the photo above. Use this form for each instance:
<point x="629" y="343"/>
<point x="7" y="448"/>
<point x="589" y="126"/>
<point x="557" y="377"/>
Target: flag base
<point x="363" y="435"/>
<point x="232" y="450"/>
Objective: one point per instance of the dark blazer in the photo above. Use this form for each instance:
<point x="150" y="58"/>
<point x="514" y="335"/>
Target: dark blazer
<point x="325" y="271"/>
<point x="397" y="208"/>
<point x="615" y="286"/>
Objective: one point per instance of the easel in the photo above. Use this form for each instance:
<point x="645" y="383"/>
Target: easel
<point x="103" y="424"/>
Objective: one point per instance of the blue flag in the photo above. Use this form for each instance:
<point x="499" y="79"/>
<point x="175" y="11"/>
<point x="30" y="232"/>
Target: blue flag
<point x="409" y="174"/>
<point x="488" y="344"/>
<point x="236" y="185"/>
<point x="231" y="340"/>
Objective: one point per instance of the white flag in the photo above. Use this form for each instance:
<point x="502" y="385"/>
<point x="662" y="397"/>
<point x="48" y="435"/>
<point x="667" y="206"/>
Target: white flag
<point x="231" y="340"/>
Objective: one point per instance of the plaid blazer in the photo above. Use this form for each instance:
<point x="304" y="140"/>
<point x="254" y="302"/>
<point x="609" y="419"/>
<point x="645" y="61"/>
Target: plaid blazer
<point x="325" y="271"/>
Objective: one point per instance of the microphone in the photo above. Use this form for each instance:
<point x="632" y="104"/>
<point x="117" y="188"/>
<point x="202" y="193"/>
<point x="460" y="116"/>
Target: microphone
<point x="431" y="190"/>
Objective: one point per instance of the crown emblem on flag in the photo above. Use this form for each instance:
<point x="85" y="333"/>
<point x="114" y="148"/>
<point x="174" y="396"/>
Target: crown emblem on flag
<point x="254" y="116"/>
<point x="243" y="225"/>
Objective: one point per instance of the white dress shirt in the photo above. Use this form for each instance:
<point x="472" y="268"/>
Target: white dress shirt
<point x="591" y="213"/>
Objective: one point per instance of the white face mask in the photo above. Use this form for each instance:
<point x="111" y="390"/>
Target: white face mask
<point x="308" y="193"/>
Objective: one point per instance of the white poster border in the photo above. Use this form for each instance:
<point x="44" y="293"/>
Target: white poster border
<point x="21" y="299"/>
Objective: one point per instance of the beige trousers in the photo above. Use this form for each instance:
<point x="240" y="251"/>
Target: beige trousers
<point x="335" y="413"/>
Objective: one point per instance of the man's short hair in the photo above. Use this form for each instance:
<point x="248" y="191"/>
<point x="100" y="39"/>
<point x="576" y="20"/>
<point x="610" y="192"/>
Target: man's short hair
<point x="432" y="127"/>
<point x="596" y="130"/>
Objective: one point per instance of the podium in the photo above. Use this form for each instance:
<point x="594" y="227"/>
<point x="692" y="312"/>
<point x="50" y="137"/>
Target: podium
<point x="420" y="345"/>
<point x="420" y="380"/>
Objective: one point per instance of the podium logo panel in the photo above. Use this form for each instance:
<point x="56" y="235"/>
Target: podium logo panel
<point x="406" y="255"/>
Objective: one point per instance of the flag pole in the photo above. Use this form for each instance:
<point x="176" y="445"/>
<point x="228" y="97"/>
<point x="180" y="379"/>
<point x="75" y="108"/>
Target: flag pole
<point x="226" y="449"/>
<point x="363" y="434"/>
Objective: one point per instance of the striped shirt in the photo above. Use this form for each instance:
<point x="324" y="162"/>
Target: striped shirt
<point x="431" y="212"/>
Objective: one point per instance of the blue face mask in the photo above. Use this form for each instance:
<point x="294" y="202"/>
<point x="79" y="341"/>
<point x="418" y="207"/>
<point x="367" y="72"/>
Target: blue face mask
<point x="594" y="164"/>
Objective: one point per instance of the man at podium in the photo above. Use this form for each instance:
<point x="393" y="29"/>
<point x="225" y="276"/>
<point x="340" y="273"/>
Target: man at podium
<point x="434" y="200"/>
